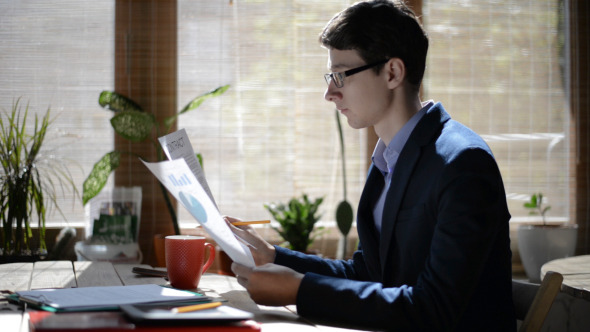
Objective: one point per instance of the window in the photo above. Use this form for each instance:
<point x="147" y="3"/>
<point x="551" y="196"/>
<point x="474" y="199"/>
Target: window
<point x="59" y="55"/>
<point x="498" y="67"/>
<point x="272" y="136"/>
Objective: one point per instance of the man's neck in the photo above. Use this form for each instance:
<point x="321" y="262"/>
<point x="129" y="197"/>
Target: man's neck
<point x="401" y="111"/>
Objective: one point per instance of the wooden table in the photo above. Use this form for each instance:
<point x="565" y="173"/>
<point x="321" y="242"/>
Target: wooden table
<point x="576" y="274"/>
<point x="64" y="274"/>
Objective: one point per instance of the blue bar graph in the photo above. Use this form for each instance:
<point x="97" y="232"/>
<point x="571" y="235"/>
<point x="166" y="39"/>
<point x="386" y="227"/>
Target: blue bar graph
<point x="179" y="182"/>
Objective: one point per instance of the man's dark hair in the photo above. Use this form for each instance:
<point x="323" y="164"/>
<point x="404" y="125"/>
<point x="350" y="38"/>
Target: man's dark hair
<point x="377" y="30"/>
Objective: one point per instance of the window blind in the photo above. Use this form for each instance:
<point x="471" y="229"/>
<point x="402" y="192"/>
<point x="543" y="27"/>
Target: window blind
<point x="59" y="55"/>
<point x="498" y="67"/>
<point x="272" y="136"/>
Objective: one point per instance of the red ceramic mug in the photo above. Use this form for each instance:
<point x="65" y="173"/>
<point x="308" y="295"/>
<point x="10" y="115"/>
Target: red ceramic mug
<point x="185" y="259"/>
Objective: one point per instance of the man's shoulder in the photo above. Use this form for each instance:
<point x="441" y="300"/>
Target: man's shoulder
<point x="456" y="139"/>
<point x="448" y="136"/>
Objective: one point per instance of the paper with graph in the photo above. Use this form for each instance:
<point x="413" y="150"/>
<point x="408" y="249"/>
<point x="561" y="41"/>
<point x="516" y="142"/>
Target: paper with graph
<point x="177" y="145"/>
<point x="182" y="183"/>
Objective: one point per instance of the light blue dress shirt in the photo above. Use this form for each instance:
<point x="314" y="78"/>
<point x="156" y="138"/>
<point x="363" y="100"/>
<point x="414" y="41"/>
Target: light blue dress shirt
<point x="385" y="157"/>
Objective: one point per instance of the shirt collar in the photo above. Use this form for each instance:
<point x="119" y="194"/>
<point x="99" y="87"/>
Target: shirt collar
<point x="385" y="156"/>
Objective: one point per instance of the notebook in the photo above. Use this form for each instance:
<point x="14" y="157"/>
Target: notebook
<point x="105" y="297"/>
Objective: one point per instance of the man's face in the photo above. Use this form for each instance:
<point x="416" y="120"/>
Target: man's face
<point x="364" y="98"/>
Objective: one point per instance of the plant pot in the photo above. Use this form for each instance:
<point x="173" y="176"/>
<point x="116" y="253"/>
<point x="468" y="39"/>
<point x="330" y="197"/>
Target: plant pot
<point x="538" y="244"/>
<point x="21" y="258"/>
<point x="107" y="252"/>
<point x="223" y="262"/>
<point x="159" y="250"/>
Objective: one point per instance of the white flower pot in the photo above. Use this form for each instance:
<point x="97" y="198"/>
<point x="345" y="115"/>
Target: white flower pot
<point x="539" y="244"/>
<point x="116" y="253"/>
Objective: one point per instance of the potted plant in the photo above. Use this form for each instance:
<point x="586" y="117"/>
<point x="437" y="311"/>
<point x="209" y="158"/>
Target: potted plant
<point x="538" y="244"/>
<point x="30" y="183"/>
<point x="297" y="219"/>
<point x="132" y="123"/>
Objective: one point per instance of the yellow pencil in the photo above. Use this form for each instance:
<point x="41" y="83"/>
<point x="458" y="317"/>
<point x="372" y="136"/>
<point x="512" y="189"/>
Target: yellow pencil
<point x="190" y="308"/>
<point x="242" y="223"/>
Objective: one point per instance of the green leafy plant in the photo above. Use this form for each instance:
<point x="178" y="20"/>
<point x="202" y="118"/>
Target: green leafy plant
<point x="30" y="181"/>
<point x="132" y="123"/>
<point x="536" y="206"/>
<point x="297" y="220"/>
<point x="344" y="212"/>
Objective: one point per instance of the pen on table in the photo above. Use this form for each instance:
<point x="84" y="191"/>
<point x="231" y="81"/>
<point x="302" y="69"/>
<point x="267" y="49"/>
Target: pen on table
<point x="191" y="308"/>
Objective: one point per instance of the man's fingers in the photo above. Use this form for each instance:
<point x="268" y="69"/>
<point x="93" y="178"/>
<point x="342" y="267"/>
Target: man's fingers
<point x="242" y="281"/>
<point x="236" y="229"/>
<point x="261" y="250"/>
<point x="243" y="233"/>
<point x="242" y="273"/>
<point x="243" y="236"/>
<point x="241" y="270"/>
<point x="230" y="219"/>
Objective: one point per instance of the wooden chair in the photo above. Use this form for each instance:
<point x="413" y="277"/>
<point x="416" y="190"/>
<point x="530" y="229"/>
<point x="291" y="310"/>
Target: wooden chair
<point x="532" y="301"/>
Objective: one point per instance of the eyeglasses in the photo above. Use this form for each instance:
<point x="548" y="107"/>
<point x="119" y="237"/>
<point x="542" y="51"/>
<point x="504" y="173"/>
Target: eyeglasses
<point x="338" y="77"/>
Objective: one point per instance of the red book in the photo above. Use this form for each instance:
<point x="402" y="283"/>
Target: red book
<point x="115" y="321"/>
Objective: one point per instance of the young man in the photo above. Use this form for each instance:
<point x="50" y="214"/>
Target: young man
<point x="434" y="250"/>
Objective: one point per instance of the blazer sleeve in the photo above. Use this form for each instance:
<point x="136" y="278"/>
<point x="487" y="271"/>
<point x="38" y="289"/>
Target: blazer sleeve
<point x="349" y="269"/>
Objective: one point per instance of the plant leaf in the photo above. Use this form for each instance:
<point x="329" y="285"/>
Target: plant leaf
<point x="344" y="217"/>
<point x="200" y="159"/>
<point x="132" y="125"/>
<point x="117" y="102"/>
<point x="99" y="175"/>
<point x="533" y="203"/>
<point x="196" y="103"/>
<point x="534" y="200"/>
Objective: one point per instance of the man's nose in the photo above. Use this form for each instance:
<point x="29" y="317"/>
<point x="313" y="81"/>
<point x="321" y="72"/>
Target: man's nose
<point x="332" y="94"/>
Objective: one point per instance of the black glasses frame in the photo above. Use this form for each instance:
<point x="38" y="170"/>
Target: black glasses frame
<point x="338" y="77"/>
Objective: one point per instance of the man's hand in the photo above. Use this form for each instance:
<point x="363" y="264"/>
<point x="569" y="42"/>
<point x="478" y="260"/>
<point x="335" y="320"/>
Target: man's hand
<point x="262" y="251"/>
<point x="269" y="284"/>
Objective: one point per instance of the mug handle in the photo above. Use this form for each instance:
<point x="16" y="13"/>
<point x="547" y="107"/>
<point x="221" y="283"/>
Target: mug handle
<point x="211" y="257"/>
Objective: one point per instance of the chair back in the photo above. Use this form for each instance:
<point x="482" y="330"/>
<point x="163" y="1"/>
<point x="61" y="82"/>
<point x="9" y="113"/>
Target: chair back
<point x="532" y="301"/>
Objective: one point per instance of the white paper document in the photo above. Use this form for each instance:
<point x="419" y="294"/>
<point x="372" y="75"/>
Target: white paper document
<point x="178" y="178"/>
<point x="176" y="145"/>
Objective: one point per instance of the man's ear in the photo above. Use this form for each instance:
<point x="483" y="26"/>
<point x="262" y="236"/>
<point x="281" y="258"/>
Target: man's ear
<point x="396" y="72"/>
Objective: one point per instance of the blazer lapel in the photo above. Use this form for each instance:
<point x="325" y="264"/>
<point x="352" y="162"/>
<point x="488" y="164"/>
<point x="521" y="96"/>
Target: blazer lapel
<point x="428" y="127"/>
<point x="368" y="237"/>
<point x="399" y="182"/>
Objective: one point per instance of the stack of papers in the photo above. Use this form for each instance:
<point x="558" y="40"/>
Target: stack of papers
<point x="106" y="298"/>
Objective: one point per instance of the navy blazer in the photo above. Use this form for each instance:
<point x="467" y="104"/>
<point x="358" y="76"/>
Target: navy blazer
<point x="442" y="261"/>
